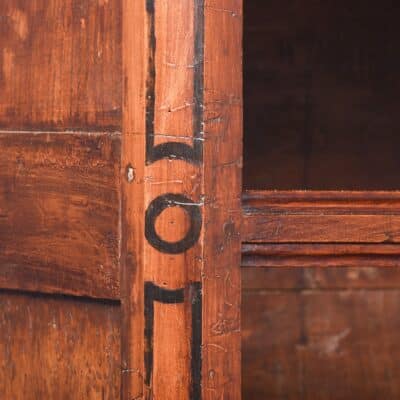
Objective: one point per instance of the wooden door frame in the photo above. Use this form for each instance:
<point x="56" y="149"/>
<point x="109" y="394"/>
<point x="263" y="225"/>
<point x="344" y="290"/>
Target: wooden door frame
<point x="181" y="199"/>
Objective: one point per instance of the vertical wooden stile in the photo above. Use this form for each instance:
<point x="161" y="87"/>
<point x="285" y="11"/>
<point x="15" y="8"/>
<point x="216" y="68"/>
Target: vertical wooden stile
<point x="181" y="213"/>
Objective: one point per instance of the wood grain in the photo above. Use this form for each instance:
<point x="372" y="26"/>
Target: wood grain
<point x="290" y="279"/>
<point x="222" y="188"/>
<point x="181" y="136"/>
<point x="58" y="348"/>
<point x="59" y="213"/>
<point x="320" y="255"/>
<point x="321" y="344"/>
<point x="324" y="217"/>
<point x="60" y="64"/>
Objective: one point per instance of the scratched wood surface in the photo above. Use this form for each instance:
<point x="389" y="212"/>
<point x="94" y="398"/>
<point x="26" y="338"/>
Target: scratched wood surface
<point x="58" y="348"/>
<point x="60" y="117"/>
<point x="60" y="64"/>
<point x="181" y="137"/>
<point x="320" y="334"/>
<point x="321" y="217"/>
<point x="59" y="207"/>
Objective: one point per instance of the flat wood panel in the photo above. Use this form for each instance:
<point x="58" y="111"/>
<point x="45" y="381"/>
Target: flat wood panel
<point x="335" y="345"/>
<point x="59" y="210"/>
<point x="63" y="349"/>
<point x="60" y="64"/>
<point x="321" y="95"/>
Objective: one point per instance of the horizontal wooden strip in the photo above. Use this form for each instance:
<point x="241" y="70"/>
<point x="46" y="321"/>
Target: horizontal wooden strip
<point x="320" y="255"/>
<point x="324" y="217"/>
<point x="335" y="278"/>
<point x="303" y="201"/>
<point x="322" y="228"/>
<point x="59" y="213"/>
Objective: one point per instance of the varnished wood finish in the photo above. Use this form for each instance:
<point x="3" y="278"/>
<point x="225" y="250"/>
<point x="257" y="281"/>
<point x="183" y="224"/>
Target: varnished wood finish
<point x="60" y="64"/>
<point x="60" y="122"/>
<point x="288" y="279"/>
<point x="305" y="327"/>
<point x="325" y="217"/>
<point x="181" y="138"/>
<point x="332" y="335"/>
<point x="59" y="206"/>
<point x="320" y="255"/>
<point x="58" y="348"/>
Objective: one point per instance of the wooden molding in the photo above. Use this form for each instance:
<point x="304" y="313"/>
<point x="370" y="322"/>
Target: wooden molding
<point x="320" y="255"/>
<point x="321" y="217"/>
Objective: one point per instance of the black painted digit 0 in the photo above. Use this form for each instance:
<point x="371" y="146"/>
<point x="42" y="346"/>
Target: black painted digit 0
<point x="156" y="207"/>
<point x="176" y="150"/>
<point x="165" y="296"/>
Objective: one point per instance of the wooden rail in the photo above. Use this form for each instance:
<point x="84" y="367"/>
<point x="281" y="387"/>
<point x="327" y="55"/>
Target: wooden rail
<point x="321" y="229"/>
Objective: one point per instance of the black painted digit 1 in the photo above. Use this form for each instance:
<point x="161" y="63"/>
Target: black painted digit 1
<point x="156" y="207"/>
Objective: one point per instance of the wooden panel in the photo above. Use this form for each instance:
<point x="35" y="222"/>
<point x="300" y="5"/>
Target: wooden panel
<point x="58" y="348"/>
<point x="59" y="207"/>
<point x="181" y="139"/>
<point x="321" y="95"/>
<point x="335" y="345"/>
<point x="325" y="217"/>
<point x="60" y="64"/>
<point x="320" y="255"/>
<point x="342" y="278"/>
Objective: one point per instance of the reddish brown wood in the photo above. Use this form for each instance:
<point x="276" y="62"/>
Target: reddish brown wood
<point x="59" y="210"/>
<point x="58" y="348"/>
<point x="336" y="278"/>
<point x="320" y="255"/>
<point x="326" y="217"/>
<point x="60" y="64"/>
<point x="324" y="344"/>
<point x="181" y="304"/>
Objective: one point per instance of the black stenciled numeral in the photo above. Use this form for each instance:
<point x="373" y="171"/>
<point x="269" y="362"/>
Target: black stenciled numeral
<point x="156" y="207"/>
<point x="154" y="293"/>
<point x="176" y="150"/>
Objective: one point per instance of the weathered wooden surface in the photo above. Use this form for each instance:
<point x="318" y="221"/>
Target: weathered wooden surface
<point x="265" y="255"/>
<point x="58" y="348"/>
<point x="330" y="334"/>
<point x="181" y="138"/>
<point x="60" y="64"/>
<point x="60" y="122"/>
<point x="321" y="95"/>
<point x="59" y="210"/>
<point x="321" y="217"/>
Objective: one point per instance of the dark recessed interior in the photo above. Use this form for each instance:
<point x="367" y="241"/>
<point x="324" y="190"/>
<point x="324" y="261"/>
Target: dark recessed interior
<point x="322" y="95"/>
